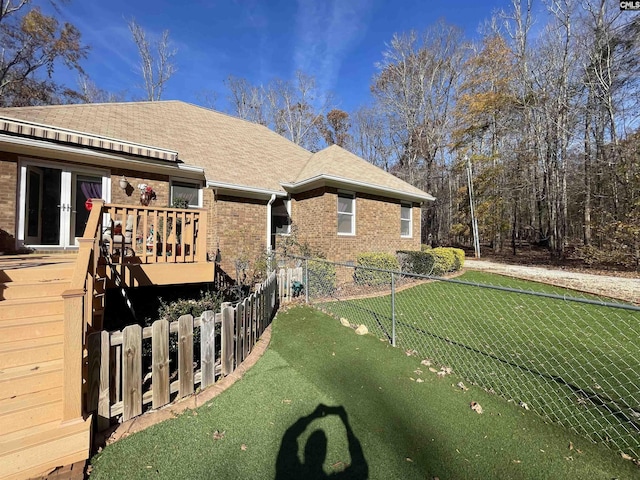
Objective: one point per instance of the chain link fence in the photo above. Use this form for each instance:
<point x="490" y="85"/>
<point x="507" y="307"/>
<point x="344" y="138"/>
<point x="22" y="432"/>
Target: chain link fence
<point x="574" y="361"/>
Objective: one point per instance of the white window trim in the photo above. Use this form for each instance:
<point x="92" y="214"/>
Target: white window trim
<point x="410" y="219"/>
<point x="353" y="214"/>
<point x="287" y="205"/>
<point x="195" y="183"/>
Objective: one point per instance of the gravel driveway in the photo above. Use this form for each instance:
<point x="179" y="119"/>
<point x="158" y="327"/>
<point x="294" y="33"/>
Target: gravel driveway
<point x="627" y="289"/>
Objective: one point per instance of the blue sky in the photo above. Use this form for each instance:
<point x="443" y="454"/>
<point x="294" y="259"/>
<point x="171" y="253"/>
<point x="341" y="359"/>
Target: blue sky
<point x="337" y="41"/>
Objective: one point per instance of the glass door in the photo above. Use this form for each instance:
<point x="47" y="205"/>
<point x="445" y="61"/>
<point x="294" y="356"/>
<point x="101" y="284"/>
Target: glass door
<point x="53" y="207"/>
<point x="83" y="188"/>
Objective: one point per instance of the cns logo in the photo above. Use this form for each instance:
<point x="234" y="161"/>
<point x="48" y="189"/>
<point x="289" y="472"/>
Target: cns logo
<point x="630" y="5"/>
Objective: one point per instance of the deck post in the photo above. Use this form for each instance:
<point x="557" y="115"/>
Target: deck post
<point x="72" y="376"/>
<point x="201" y="254"/>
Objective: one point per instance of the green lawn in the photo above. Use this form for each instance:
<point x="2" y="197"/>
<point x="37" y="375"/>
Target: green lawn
<point x="403" y="428"/>
<point x="576" y="364"/>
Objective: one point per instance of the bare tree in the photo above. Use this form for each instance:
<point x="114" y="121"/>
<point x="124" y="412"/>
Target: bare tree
<point x="248" y="101"/>
<point x="296" y="108"/>
<point x="156" y="63"/>
<point x="91" y="93"/>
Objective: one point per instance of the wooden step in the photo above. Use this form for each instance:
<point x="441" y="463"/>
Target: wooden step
<point x="31" y="307"/>
<point x="61" y="272"/>
<point x="34" y="377"/>
<point x="32" y="350"/>
<point x="16" y="329"/>
<point x="37" y="450"/>
<point x="17" y="290"/>
<point x="31" y="409"/>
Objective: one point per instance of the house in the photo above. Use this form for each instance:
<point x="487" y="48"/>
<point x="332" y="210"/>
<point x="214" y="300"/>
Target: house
<point x="252" y="182"/>
<point x="73" y="178"/>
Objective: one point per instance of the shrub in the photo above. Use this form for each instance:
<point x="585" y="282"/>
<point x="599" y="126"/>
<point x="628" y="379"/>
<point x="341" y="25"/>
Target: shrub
<point x="175" y="309"/>
<point x="322" y="278"/>
<point x="384" y="261"/>
<point x="458" y="253"/>
<point x="419" y="262"/>
<point x="445" y="260"/>
<point x="431" y="261"/>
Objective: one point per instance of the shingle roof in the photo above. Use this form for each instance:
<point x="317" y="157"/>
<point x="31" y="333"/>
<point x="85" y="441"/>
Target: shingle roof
<point x="335" y="161"/>
<point x="230" y="150"/>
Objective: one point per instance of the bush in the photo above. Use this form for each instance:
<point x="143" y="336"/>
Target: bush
<point x="173" y="310"/>
<point x="418" y="262"/>
<point x="458" y="253"/>
<point x="384" y="261"/>
<point x="322" y="278"/>
<point x="431" y="261"/>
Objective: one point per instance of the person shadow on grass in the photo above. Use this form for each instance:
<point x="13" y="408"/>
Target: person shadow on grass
<point x="288" y="465"/>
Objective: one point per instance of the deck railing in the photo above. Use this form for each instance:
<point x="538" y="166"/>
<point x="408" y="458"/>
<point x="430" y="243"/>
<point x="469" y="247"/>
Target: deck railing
<point x="79" y="313"/>
<point x="138" y="234"/>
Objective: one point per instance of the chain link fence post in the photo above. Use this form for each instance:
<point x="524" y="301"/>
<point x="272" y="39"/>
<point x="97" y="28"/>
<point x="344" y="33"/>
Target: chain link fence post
<point x="306" y="281"/>
<point x="393" y="309"/>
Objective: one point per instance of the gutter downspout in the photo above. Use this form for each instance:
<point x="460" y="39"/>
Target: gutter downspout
<point x="271" y="200"/>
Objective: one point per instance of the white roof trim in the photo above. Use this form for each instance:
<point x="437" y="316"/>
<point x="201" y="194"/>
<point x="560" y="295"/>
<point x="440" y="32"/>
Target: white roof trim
<point x="324" y="178"/>
<point x="58" y="134"/>
<point x="245" y="189"/>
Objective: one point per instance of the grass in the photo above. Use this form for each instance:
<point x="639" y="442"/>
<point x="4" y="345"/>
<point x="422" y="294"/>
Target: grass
<point x="574" y="363"/>
<point x="406" y="429"/>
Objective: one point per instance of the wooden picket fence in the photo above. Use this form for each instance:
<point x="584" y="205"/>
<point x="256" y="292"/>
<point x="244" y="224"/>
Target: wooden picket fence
<point x="117" y="385"/>
<point x="286" y="279"/>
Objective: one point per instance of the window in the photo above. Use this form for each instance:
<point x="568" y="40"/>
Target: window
<point x="281" y="216"/>
<point x="346" y="214"/>
<point x="185" y="194"/>
<point x="405" y="220"/>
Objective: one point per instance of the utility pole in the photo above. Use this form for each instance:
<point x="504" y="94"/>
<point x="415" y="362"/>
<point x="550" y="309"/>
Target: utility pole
<point x="474" y="219"/>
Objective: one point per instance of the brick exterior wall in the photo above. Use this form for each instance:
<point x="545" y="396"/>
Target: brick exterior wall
<point x="159" y="183"/>
<point x="238" y="226"/>
<point x="8" y="199"/>
<point x="377" y="224"/>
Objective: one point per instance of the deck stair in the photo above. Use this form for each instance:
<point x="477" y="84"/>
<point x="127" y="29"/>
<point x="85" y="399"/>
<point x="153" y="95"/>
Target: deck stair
<point x="33" y="438"/>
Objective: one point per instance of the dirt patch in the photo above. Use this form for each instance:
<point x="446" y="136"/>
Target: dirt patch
<point x="614" y="286"/>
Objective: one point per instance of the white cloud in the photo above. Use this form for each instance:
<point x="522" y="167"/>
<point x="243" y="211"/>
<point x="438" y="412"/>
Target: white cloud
<point x="326" y="33"/>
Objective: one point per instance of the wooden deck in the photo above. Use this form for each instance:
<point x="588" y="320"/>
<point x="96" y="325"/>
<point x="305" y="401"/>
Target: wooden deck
<point x="49" y="303"/>
<point x="33" y="436"/>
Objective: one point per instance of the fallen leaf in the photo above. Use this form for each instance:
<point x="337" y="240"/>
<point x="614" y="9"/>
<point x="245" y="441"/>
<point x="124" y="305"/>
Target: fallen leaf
<point x="243" y="447"/>
<point x="432" y="370"/>
<point x="626" y="457"/>
<point x="524" y="405"/>
<point x="462" y="386"/>
<point x="475" y="406"/>
<point x="417" y="371"/>
<point x="409" y="460"/>
<point x="441" y="374"/>
<point x="426" y="362"/>
<point x="419" y="380"/>
<point x="412" y="379"/>
<point x="286" y="401"/>
<point x="217" y="435"/>
<point x="570" y="445"/>
<point x="517" y="461"/>
<point x="333" y="354"/>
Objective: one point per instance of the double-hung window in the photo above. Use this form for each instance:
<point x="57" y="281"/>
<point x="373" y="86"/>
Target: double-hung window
<point x="346" y="214"/>
<point x="186" y="194"/>
<point x="405" y="220"/>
